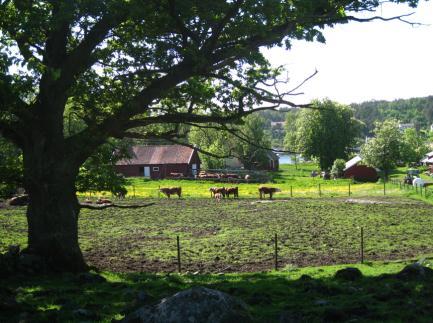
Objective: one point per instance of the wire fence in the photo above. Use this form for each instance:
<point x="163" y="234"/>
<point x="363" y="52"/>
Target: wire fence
<point x="276" y="253"/>
<point x="325" y="189"/>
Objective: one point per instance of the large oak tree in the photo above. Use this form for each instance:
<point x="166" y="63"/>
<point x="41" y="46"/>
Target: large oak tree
<point x="125" y="64"/>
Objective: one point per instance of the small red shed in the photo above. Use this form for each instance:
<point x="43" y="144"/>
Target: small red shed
<point x="158" y="162"/>
<point x="358" y="172"/>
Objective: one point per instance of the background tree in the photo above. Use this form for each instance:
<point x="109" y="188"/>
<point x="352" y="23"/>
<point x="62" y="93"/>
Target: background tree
<point x="418" y="111"/>
<point x="327" y="132"/>
<point x="414" y="146"/>
<point x="248" y="142"/>
<point x="214" y="142"/>
<point x="133" y="64"/>
<point x="385" y="149"/>
<point x="98" y="172"/>
<point x="11" y="168"/>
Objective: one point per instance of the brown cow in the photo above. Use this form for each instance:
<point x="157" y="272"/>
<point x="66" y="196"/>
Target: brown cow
<point x="218" y="197"/>
<point x="232" y="190"/>
<point x="171" y="191"/>
<point x="215" y="190"/>
<point x="263" y="190"/>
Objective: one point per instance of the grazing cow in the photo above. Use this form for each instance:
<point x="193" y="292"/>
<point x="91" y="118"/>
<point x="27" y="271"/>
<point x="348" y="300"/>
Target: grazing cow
<point x="263" y="190"/>
<point x="215" y="190"/>
<point x="218" y="197"/>
<point x="247" y="177"/>
<point x="232" y="190"/>
<point x="171" y="191"/>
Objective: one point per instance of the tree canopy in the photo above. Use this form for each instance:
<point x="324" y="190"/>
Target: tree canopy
<point x="133" y="64"/>
<point x="418" y="111"/>
<point x="247" y="142"/>
<point x="327" y="132"/>
<point x="385" y="149"/>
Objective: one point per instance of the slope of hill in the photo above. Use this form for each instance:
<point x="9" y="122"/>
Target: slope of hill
<point x="418" y="111"/>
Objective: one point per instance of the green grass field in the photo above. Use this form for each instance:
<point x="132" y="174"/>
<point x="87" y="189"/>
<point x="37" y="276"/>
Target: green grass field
<point x="229" y="246"/>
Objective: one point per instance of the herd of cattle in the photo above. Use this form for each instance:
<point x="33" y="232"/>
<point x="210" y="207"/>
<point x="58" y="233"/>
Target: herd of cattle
<point x="218" y="193"/>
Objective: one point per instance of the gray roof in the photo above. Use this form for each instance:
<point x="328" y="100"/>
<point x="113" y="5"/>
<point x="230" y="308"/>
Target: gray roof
<point x="157" y="155"/>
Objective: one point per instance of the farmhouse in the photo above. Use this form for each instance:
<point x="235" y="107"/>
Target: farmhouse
<point x="428" y="159"/>
<point x="359" y="172"/>
<point x="157" y="162"/>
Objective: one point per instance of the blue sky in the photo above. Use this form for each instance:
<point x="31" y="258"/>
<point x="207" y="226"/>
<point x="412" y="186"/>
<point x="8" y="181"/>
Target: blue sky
<point x="365" y="61"/>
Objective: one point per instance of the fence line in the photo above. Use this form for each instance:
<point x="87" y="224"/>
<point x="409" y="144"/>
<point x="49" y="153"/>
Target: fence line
<point x="274" y="260"/>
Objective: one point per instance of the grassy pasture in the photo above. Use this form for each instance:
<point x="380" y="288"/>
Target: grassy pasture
<point x="237" y="235"/>
<point x="294" y="181"/>
<point x="222" y="243"/>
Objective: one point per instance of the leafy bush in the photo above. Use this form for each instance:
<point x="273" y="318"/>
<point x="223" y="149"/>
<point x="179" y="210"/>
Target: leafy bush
<point x="337" y="169"/>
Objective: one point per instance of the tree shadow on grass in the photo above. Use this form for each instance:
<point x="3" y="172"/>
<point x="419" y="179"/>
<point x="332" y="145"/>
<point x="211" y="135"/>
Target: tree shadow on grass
<point x="272" y="297"/>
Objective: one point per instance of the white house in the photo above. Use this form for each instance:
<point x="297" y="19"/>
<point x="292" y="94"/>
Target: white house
<point x="403" y="126"/>
<point x="428" y="159"/>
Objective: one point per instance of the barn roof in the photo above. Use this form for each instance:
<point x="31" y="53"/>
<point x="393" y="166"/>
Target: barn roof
<point x="156" y="155"/>
<point x="350" y="163"/>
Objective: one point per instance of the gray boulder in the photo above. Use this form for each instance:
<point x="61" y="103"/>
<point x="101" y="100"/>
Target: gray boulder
<point x="194" y="305"/>
<point x="415" y="271"/>
<point x="348" y="274"/>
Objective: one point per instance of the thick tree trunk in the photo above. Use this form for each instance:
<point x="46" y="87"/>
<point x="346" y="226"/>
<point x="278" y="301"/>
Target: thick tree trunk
<point x="52" y="214"/>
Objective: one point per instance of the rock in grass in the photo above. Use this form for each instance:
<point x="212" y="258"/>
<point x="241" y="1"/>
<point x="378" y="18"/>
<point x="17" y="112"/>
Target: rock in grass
<point x="195" y="305"/>
<point x="348" y="274"/>
<point x="415" y="271"/>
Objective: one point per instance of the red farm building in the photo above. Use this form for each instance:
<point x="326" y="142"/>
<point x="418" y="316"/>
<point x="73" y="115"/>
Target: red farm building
<point x="358" y="172"/>
<point x="157" y="162"/>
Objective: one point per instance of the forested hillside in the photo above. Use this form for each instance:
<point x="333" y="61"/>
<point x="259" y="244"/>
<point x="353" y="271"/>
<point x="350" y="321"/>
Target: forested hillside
<point x="416" y="110"/>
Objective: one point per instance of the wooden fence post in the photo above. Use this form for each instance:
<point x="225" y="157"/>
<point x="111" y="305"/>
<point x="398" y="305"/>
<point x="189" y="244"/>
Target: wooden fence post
<point x="276" y="252"/>
<point x="291" y="191"/>
<point x="133" y="189"/>
<point x="384" y="186"/>
<point x="362" y="245"/>
<point x="159" y="192"/>
<point x="349" y="189"/>
<point x="178" y="255"/>
<point x="320" y="191"/>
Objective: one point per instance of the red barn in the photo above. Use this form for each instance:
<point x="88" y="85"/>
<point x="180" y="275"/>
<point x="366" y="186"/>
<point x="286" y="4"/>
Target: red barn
<point x="360" y="172"/>
<point x="157" y="162"/>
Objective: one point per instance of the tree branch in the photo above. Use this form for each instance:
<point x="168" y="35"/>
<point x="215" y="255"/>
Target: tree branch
<point x="399" y="18"/>
<point x="119" y="206"/>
